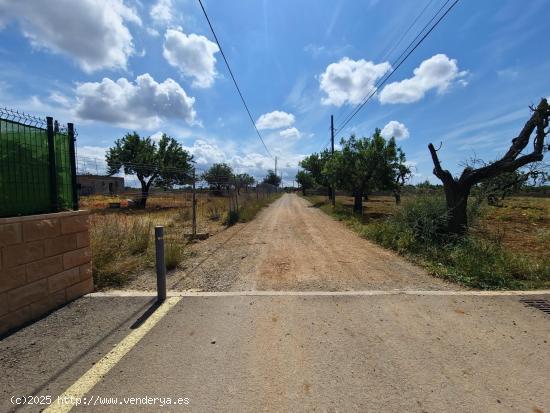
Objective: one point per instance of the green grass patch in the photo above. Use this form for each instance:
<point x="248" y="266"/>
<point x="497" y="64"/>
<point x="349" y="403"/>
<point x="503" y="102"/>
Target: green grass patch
<point x="416" y="230"/>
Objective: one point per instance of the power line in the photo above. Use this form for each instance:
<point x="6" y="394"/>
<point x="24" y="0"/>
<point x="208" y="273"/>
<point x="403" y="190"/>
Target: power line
<point x="390" y="50"/>
<point x="383" y="80"/>
<point x="233" y="77"/>
<point x="386" y="78"/>
<point x="388" y="54"/>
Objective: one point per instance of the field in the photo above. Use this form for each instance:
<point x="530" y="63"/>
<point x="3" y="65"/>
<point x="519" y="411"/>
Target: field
<point x="122" y="239"/>
<point x="514" y="238"/>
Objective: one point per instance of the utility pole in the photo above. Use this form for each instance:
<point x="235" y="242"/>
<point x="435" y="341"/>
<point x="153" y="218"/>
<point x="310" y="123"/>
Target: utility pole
<point x="333" y="189"/>
<point x="275" y="165"/>
<point x="194" y="206"/>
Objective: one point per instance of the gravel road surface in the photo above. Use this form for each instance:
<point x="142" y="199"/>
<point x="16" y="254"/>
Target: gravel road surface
<point x="291" y="245"/>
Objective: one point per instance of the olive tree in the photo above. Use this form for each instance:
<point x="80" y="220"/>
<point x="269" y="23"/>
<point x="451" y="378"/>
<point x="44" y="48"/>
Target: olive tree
<point x="164" y="164"/>
<point x="457" y="189"/>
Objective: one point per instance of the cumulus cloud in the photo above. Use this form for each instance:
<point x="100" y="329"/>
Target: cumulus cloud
<point x="438" y="72"/>
<point x="206" y="153"/>
<point x="275" y="120"/>
<point x="395" y="129"/>
<point x="290" y="133"/>
<point x="142" y="103"/>
<point x="162" y="12"/>
<point x="348" y="81"/>
<point x="193" y="55"/>
<point x="92" y="32"/>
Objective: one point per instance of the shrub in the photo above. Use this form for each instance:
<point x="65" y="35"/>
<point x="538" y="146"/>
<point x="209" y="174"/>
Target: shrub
<point x="138" y="235"/>
<point x="214" y="212"/>
<point x="174" y="253"/>
<point x="232" y="218"/>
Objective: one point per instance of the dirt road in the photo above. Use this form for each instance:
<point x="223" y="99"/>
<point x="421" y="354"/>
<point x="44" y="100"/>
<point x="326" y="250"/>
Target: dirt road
<point x="291" y="245"/>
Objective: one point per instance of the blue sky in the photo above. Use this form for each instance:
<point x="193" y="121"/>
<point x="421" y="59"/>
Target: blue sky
<point x="114" y="66"/>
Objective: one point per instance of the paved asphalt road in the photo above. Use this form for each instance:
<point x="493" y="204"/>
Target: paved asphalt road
<point x="339" y="353"/>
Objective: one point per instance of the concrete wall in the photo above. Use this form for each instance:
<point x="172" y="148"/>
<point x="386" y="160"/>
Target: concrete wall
<point x="45" y="262"/>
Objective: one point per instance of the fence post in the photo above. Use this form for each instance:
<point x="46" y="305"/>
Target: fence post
<point x="52" y="164"/>
<point x="194" y="206"/>
<point x="236" y="194"/>
<point x="72" y="157"/>
<point x="161" y="265"/>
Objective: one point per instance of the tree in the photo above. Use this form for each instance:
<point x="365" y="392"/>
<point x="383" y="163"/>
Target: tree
<point x="402" y="174"/>
<point x="315" y="165"/>
<point x="457" y="189"/>
<point x="166" y="165"/>
<point x="243" y="180"/>
<point x="219" y="175"/>
<point x="364" y="165"/>
<point x="272" y="179"/>
<point x="305" y="180"/>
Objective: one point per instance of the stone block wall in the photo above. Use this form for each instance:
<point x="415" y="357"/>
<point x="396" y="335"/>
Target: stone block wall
<point x="45" y="262"/>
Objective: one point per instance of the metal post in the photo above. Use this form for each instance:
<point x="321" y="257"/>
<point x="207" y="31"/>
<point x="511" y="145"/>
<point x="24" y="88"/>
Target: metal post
<point x="236" y="194"/>
<point x="333" y="189"/>
<point x="72" y="156"/>
<point x="161" y="265"/>
<point x="52" y="164"/>
<point x="194" y="206"/>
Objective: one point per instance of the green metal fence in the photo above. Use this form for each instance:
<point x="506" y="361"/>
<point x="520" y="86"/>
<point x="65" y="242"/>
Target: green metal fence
<point x="37" y="165"/>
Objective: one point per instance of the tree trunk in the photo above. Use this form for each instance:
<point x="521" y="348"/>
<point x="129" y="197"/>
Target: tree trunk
<point x="457" y="208"/>
<point x="397" y="196"/>
<point x="144" y="195"/>
<point x="329" y="192"/>
<point x="304" y="191"/>
<point x="357" y="202"/>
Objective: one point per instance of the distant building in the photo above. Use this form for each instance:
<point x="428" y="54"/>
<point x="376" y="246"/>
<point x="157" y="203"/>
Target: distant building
<point x="99" y="185"/>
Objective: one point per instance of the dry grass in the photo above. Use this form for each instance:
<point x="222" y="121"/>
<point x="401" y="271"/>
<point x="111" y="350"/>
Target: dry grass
<point x="122" y="239"/>
<point x="522" y="224"/>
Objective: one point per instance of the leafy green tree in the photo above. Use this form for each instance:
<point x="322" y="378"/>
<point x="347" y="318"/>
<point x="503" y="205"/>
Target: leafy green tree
<point x="243" y="180"/>
<point x="219" y="176"/>
<point x="305" y="180"/>
<point x="315" y="165"/>
<point x="272" y="179"/>
<point x="166" y="164"/>
<point x="364" y="165"/>
<point x="402" y="174"/>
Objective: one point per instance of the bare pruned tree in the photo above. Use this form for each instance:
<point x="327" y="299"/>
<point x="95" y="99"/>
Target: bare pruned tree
<point x="458" y="189"/>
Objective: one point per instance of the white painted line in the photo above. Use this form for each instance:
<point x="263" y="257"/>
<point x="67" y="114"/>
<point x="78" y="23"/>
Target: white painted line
<point x="86" y="382"/>
<point x="131" y="293"/>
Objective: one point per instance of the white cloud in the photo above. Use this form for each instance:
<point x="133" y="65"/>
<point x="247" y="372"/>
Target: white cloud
<point x="92" y="32"/>
<point x="162" y="12"/>
<point x="290" y="133"/>
<point x="275" y="120"/>
<point x="349" y="81"/>
<point x="193" y="55"/>
<point x="142" y="103"/>
<point x="206" y="153"/>
<point x="152" y="32"/>
<point x="395" y="129"/>
<point x="155" y="137"/>
<point x="92" y="152"/>
<point x="438" y="72"/>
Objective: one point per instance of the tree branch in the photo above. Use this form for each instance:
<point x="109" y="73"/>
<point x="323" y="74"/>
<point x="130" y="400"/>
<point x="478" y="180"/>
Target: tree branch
<point x="441" y="173"/>
<point x="510" y="161"/>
